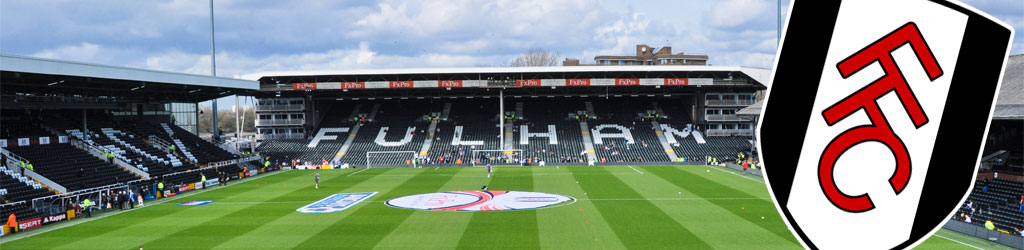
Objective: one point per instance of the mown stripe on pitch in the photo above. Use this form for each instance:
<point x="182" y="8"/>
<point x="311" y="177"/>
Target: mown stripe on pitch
<point x="504" y="229"/>
<point x="224" y="228"/>
<point x="98" y="228"/>
<point x="366" y="227"/>
<point x="709" y="189"/>
<point x="638" y="224"/>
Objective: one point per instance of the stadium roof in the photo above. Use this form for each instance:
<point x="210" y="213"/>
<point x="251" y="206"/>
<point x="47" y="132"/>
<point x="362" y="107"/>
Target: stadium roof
<point x="752" y="110"/>
<point x="1010" y="104"/>
<point x="757" y="74"/>
<point x="39" y="76"/>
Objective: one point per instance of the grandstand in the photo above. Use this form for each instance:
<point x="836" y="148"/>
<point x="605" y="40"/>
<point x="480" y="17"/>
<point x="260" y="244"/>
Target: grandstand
<point x="92" y="129"/>
<point x="601" y="114"/>
<point x="998" y="193"/>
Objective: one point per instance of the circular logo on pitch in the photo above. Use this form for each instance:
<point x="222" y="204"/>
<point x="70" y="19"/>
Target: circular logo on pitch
<point x="480" y="201"/>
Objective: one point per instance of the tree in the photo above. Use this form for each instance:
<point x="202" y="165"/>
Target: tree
<point x="226" y="120"/>
<point x="536" y="57"/>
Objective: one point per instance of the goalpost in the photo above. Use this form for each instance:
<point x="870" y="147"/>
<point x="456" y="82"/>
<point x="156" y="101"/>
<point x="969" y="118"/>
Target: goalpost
<point x="497" y="157"/>
<point x="385" y="158"/>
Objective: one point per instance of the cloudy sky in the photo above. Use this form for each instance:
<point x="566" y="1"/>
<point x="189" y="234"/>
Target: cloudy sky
<point x="268" y="35"/>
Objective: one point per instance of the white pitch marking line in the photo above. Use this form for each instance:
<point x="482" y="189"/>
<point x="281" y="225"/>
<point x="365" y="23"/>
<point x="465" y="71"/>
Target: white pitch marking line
<point x="965" y="244"/>
<point x="436" y="168"/>
<point x="634" y="169"/>
<point x="744" y="176"/>
<point x="358" y="171"/>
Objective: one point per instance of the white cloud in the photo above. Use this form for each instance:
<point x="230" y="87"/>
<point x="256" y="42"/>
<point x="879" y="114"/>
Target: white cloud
<point x="310" y="34"/>
<point x="736" y="13"/>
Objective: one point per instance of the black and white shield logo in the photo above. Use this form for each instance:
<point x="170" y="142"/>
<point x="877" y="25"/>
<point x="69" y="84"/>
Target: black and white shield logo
<point x="877" y="111"/>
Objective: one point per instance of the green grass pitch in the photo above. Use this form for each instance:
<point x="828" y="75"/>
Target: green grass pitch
<point x="642" y="207"/>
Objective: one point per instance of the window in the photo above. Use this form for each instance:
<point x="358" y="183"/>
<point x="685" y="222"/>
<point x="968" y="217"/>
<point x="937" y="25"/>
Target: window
<point x="744" y="126"/>
<point x="297" y="131"/>
<point x="296" y="116"/>
<point x="712" y="111"/>
<point x="728" y="111"/>
<point x="730" y="126"/>
<point x="264" y="117"/>
<point x="714" y="126"/>
<point x="711" y="97"/>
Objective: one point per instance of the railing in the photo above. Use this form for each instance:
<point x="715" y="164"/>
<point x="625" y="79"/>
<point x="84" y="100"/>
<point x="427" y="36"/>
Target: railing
<point x="724" y="118"/>
<point x="119" y="161"/>
<point x="729" y="132"/>
<point x="280" y="136"/>
<point x="279" y="107"/>
<point x="12" y="159"/>
<point x="280" y="122"/>
<point x="221" y="163"/>
<point x="158" y="143"/>
<point x="11" y="204"/>
<point x="728" y="102"/>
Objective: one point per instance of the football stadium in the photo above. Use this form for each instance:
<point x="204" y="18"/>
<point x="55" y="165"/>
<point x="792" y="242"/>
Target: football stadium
<point x="652" y="151"/>
<point x="641" y="157"/>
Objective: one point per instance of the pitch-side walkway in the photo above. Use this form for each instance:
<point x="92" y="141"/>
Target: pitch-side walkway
<point x="44" y="229"/>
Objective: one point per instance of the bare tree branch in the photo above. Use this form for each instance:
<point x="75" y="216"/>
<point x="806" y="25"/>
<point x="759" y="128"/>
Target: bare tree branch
<point x="536" y="57"/>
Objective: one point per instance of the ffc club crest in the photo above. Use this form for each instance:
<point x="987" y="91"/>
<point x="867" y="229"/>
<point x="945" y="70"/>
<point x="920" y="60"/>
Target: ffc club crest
<point x="876" y="115"/>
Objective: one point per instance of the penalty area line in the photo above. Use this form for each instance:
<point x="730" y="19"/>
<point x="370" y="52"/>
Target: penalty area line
<point x="957" y="241"/>
<point x="634" y="169"/>
<point x="358" y="172"/>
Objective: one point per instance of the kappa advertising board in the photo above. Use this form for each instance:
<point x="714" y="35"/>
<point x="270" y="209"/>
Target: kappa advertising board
<point x="335" y="203"/>
<point x="55" y="218"/>
<point x="865" y="133"/>
<point x="480" y="201"/>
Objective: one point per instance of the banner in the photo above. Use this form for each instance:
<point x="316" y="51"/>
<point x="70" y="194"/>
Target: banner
<point x="528" y="83"/>
<point x="24" y="141"/>
<point x="304" y="86"/>
<point x="353" y="85"/>
<point x="212" y="182"/>
<point x="335" y="203"/>
<point x="183" y="188"/>
<point x="449" y="84"/>
<point x="700" y="81"/>
<point x="400" y="84"/>
<point x="677" y="81"/>
<point x="29" y="224"/>
<point x="44" y="140"/>
<point x="627" y="81"/>
<point x="62" y="139"/>
<point x="577" y="82"/>
<point x="55" y="218"/>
